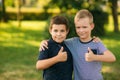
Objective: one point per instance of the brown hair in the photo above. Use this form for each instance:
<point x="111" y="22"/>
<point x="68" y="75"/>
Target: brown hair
<point x="59" y="20"/>
<point x="83" y="14"/>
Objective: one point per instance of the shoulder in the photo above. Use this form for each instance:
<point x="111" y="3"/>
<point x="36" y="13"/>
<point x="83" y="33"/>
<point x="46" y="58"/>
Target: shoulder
<point x="72" y="39"/>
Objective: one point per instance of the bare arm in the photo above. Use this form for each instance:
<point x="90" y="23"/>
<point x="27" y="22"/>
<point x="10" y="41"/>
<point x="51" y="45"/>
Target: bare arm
<point x="46" y="63"/>
<point x="106" y="57"/>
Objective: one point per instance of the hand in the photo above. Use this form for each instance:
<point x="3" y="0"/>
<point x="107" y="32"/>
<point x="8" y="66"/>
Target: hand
<point x="43" y="45"/>
<point x="96" y="39"/>
<point x="62" y="55"/>
<point x="89" y="56"/>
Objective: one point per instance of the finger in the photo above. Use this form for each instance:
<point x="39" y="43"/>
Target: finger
<point x="65" y="52"/>
<point x="46" y="43"/>
<point x="45" y="46"/>
<point x="89" y="50"/>
<point x="61" y="49"/>
<point x="42" y="48"/>
<point x="94" y="37"/>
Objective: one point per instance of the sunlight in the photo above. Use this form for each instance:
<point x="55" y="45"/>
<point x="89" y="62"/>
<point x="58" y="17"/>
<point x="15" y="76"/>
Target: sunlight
<point x="33" y="42"/>
<point x="110" y="26"/>
<point x="111" y="43"/>
<point x="30" y="25"/>
<point x="107" y="69"/>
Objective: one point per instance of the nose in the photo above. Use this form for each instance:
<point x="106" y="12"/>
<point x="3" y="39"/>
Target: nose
<point x="80" y="30"/>
<point x="58" y="33"/>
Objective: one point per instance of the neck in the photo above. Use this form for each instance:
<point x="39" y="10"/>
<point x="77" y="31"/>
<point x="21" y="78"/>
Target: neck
<point x="85" y="39"/>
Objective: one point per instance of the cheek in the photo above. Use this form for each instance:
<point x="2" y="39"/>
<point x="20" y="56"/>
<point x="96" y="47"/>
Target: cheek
<point x="65" y="34"/>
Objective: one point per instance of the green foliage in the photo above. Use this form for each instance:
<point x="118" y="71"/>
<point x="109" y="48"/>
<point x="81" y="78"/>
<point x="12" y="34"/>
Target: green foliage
<point x="72" y="32"/>
<point x="100" y="19"/>
<point x="9" y="3"/>
<point x="28" y="16"/>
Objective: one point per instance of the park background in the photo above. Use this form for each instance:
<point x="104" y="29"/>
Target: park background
<point x="24" y="23"/>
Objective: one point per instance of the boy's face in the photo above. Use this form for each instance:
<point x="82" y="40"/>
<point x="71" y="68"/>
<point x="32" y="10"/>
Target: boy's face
<point x="83" y="28"/>
<point x="58" y="32"/>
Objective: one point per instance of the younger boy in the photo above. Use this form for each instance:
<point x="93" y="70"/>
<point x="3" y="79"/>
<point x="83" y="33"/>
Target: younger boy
<point x="56" y="61"/>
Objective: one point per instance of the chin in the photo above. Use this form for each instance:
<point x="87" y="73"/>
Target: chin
<point x="59" y="41"/>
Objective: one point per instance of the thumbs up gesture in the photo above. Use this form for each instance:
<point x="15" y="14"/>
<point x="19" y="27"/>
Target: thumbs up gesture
<point x="62" y="55"/>
<point x="89" y="56"/>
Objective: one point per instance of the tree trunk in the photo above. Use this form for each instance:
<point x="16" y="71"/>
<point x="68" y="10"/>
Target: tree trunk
<point x="115" y="14"/>
<point x="4" y="18"/>
<point x="19" y="13"/>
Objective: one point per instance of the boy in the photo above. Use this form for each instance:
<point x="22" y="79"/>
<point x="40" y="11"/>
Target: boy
<point x="56" y="61"/>
<point x="87" y="55"/>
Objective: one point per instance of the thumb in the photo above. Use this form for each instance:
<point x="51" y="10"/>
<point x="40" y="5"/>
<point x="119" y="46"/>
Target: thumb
<point x="61" y="49"/>
<point x="89" y="50"/>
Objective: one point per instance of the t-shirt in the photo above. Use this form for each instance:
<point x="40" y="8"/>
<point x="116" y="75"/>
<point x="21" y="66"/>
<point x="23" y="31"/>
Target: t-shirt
<point x="84" y="70"/>
<point x="58" y="71"/>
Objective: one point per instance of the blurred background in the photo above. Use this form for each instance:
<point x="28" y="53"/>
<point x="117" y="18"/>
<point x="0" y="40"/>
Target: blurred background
<point x="24" y="24"/>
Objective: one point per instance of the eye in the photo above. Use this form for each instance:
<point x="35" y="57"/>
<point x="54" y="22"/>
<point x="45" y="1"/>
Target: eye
<point x="84" y="26"/>
<point x="55" y="30"/>
<point x="62" y="30"/>
<point x="77" y="27"/>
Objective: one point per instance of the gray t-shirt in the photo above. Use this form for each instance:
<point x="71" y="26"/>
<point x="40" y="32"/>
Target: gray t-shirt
<point x="85" y="70"/>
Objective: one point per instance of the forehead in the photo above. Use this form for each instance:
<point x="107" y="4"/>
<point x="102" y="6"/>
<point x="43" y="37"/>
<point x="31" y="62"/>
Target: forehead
<point x="82" y="21"/>
<point x="59" y="26"/>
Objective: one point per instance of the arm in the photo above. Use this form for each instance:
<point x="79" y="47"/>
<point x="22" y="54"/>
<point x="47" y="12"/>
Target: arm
<point x="46" y="63"/>
<point x="106" y="57"/>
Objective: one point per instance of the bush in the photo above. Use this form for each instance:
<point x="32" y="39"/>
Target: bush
<point x="100" y="19"/>
<point x="28" y="16"/>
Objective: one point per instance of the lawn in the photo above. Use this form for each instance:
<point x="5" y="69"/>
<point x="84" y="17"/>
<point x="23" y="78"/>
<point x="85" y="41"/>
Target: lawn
<point x="19" y="51"/>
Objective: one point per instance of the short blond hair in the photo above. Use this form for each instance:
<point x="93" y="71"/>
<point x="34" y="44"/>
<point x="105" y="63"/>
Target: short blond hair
<point x="83" y="14"/>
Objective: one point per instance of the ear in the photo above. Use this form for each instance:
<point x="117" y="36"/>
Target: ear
<point x="67" y="31"/>
<point x="92" y="26"/>
<point x="49" y="30"/>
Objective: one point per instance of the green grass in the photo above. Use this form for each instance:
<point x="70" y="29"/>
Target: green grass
<point x="19" y="51"/>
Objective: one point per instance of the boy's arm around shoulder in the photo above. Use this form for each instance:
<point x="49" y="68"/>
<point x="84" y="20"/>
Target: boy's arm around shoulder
<point x="107" y="56"/>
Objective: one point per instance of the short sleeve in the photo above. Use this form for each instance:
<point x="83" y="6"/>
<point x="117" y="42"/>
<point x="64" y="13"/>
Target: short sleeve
<point x="43" y="54"/>
<point x="101" y="47"/>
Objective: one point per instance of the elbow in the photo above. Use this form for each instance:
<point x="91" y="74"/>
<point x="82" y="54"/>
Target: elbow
<point x="114" y="59"/>
<point x="39" y="66"/>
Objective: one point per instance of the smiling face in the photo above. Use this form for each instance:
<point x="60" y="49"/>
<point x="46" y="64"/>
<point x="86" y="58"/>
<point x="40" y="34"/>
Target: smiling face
<point x="58" y="32"/>
<point x="84" y="28"/>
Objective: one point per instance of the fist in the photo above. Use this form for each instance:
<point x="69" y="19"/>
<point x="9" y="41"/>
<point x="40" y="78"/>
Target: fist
<point x="89" y="56"/>
<point x="62" y="55"/>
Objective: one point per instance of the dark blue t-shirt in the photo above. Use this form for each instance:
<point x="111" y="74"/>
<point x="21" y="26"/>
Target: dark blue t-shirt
<point x="61" y="70"/>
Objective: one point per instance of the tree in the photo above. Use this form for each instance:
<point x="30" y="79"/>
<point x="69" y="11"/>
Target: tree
<point x="3" y="17"/>
<point x="19" y="13"/>
<point x="115" y="14"/>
